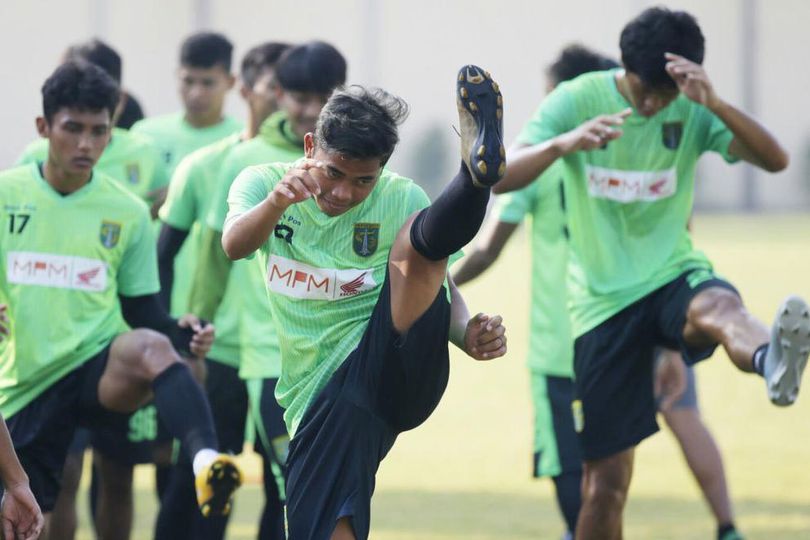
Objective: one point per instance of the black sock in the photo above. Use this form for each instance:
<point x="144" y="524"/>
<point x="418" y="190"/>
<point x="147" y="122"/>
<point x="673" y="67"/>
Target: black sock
<point x="722" y="530"/>
<point x="568" y="488"/>
<point x="184" y="409"/>
<point x="452" y="220"/>
<point x="759" y="359"/>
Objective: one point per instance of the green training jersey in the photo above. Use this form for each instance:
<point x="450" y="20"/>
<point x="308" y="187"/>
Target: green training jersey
<point x="261" y="356"/>
<point x="550" y="343"/>
<point x="131" y="159"/>
<point x="323" y="274"/>
<point x="629" y="202"/>
<point x="65" y="260"/>
<point x="175" y="138"/>
<point x="190" y="195"/>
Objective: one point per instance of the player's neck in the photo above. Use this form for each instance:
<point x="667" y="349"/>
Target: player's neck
<point x="62" y="181"/>
<point x="254" y="123"/>
<point x="200" y="121"/>
<point x="621" y="85"/>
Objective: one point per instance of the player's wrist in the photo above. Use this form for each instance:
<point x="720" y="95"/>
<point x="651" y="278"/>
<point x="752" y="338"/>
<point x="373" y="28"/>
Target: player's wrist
<point x="714" y="103"/>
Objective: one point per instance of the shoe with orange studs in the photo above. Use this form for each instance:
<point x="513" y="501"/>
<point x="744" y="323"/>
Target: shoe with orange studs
<point x="480" y="112"/>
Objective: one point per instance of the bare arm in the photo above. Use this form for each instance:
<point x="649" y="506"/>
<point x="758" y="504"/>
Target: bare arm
<point x="247" y="232"/>
<point x="525" y="163"/>
<point x="752" y="142"/>
<point x="19" y="513"/>
<point x="481" y="337"/>
<point x="485" y="253"/>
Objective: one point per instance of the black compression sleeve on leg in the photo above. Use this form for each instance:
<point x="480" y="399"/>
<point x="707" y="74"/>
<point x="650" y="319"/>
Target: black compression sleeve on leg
<point x="452" y="220"/>
<point x="182" y="406"/>
<point x="569" y="496"/>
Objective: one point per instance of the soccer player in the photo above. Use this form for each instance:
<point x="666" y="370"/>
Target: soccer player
<point x="136" y="164"/>
<point x="204" y="79"/>
<point x="306" y="76"/>
<point x="190" y="195"/>
<point x="628" y="140"/>
<point x="360" y="283"/>
<point x="556" y="451"/>
<point x="78" y="244"/>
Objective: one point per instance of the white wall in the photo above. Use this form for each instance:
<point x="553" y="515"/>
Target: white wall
<point x="414" y="48"/>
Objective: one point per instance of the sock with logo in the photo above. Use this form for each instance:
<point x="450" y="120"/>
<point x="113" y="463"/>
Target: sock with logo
<point x="452" y="220"/>
<point x="183" y="407"/>
<point x="758" y="360"/>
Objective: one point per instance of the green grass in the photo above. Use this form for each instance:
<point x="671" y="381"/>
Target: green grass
<point x="465" y="474"/>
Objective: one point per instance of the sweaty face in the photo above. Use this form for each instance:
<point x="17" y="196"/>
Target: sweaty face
<point x="344" y="182"/>
<point x="203" y="90"/>
<point x="646" y="100"/>
<point x="302" y="109"/>
<point x="76" y="139"/>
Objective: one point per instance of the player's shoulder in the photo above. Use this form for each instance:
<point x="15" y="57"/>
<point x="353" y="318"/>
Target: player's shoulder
<point x="158" y="124"/>
<point x="268" y="172"/>
<point x="394" y="186"/>
<point x="114" y="194"/>
<point x="18" y="175"/>
<point x="36" y="150"/>
<point x="209" y="153"/>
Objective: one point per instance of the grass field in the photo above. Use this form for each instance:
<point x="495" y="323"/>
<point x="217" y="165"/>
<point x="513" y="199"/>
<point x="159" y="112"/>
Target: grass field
<point x="465" y="474"/>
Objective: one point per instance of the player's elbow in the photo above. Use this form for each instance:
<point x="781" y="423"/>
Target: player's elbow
<point x="232" y="248"/>
<point x="777" y="162"/>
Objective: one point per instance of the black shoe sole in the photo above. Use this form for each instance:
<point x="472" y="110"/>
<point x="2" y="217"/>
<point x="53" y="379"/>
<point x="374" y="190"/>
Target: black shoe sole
<point x="223" y="478"/>
<point x="481" y="97"/>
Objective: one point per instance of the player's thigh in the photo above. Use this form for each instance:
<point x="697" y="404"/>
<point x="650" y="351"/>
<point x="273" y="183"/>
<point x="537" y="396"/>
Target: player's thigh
<point x="609" y="475"/>
<point x="415" y="280"/>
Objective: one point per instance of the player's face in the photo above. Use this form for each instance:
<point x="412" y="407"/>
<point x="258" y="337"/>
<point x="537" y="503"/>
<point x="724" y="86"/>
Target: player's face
<point x="203" y="90"/>
<point x="302" y="108"/>
<point x="646" y="100"/>
<point x="261" y="97"/>
<point x="344" y="182"/>
<point x="76" y="138"/>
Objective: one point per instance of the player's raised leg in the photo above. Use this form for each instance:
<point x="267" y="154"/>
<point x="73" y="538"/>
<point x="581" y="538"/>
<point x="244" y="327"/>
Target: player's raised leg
<point x="424" y="243"/>
<point x="143" y="364"/>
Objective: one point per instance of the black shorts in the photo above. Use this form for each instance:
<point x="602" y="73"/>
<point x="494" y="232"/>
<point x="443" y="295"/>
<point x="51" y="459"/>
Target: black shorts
<point x="130" y="444"/>
<point x="228" y="397"/>
<point x="614" y="407"/>
<point x="390" y="383"/>
<point x="43" y="430"/>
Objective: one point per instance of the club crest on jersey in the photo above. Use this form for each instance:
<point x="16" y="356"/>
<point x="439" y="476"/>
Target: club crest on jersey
<point x="109" y="234"/>
<point x="133" y="173"/>
<point x="365" y="238"/>
<point x="671" y="134"/>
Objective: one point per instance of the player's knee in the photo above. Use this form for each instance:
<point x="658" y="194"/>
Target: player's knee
<point x="605" y="493"/>
<point x="153" y="353"/>
<point x="714" y="303"/>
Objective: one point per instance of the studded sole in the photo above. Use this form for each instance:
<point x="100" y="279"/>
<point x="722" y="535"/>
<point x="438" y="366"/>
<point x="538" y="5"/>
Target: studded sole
<point x="791" y="334"/>
<point x="480" y="96"/>
<point x="224" y="478"/>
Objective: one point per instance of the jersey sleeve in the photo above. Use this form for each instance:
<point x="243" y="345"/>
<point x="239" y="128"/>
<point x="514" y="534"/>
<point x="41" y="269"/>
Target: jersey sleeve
<point x="36" y="151"/>
<point x="513" y="207"/>
<point x="249" y="189"/>
<point x="218" y="209"/>
<point x="718" y="136"/>
<point x="555" y="116"/>
<point x="138" y="273"/>
<point x="180" y="209"/>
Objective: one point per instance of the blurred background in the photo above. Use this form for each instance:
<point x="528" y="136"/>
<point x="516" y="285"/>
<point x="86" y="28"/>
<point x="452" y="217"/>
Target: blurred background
<point x="466" y="473"/>
<point x="413" y="48"/>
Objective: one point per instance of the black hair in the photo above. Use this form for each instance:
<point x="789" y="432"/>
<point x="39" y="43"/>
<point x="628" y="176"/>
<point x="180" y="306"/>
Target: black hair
<point x="99" y="53"/>
<point x="260" y="58"/>
<point x="315" y="67"/>
<point x="206" y="50"/>
<point x="132" y="113"/>
<point x="80" y="85"/>
<point x="655" y="31"/>
<point x="360" y="123"/>
<point x="576" y="59"/>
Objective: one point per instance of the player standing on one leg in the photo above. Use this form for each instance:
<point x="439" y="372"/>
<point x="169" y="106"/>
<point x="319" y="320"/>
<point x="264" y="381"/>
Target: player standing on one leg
<point x="80" y="244"/>
<point x="190" y="195"/>
<point x="638" y="282"/>
<point x="360" y="286"/>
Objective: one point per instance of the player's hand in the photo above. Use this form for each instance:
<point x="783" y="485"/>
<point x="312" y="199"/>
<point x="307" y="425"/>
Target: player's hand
<point x="669" y="380"/>
<point x="297" y="185"/>
<point x="22" y="518"/>
<point x="203" y="334"/>
<point x="4" y="328"/>
<point x="594" y="133"/>
<point x="156" y="197"/>
<point x="485" y="337"/>
<point x="692" y="80"/>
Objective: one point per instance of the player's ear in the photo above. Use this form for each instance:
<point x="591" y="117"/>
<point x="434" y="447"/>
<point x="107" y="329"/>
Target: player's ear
<point x="309" y="145"/>
<point x="231" y="80"/>
<point x="43" y="128"/>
